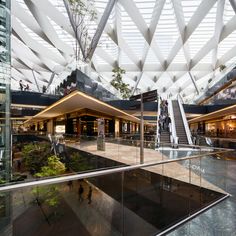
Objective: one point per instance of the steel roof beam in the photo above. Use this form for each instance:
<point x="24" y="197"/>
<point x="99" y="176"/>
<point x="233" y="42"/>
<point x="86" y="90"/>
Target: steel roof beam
<point x="100" y="27"/>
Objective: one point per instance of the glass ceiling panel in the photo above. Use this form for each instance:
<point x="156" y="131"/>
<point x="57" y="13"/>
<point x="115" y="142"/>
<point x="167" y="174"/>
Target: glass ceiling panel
<point x="131" y="34"/>
<point x="203" y="33"/>
<point x="163" y="82"/>
<point x="109" y="46"/>
<point x="151" y="57"/>
<point x="166" y="35"/>
<point x="59" y="5"/>
<point x="232" y="61"/>
<point x="146" y="9"/>
<point x="167" y="30"/>
<point x="124" y="59"/>
<point x="146" y="83"/>
<point x="189" y="8"/>
<point x="62" y="34"/>
<point x="100" y="60"/>
<point x="22" y="4"/>
<point x="180" y="57"/>
<point x="100" y="5"/>
<point x="228" y="12"/>
<point x="207" y="58"/>
<point x="225" y="45"/>
<point x="38" y="39"/>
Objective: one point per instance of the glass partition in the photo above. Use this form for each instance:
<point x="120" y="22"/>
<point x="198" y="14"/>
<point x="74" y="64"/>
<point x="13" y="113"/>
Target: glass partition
<point x="144" y="199"/>
<point x="42" y="156"/>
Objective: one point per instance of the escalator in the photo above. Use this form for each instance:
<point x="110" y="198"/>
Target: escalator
<point x="165" y="136"/>
<point x="179" y="124"/>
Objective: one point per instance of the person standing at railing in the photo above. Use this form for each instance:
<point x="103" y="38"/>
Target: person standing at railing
<point x="21" y="85"/>
<point x="89" y="196"/>
<point x="80" y="193"/>
<point x="27" y="87"/>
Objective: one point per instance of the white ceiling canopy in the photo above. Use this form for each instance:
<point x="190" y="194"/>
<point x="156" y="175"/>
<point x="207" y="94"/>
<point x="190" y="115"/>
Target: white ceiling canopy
<point x="174" y="46"/>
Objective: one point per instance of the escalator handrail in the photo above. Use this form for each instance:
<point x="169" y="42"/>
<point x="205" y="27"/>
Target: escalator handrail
<point x="173" y="129"/>
<point x="158" y="114"/>
<point x="185" y="122"/>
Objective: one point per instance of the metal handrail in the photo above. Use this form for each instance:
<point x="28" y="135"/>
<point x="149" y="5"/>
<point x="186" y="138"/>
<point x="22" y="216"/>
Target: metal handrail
<point x="158" y="115"/>
<point x="172" y="117"/>
<point x="184" y="119"/>
<point x="62" y="179"/>
<point x="119" y="139"/>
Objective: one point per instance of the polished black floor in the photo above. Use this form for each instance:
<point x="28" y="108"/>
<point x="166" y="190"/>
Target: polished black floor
<point x="220" y="219"/>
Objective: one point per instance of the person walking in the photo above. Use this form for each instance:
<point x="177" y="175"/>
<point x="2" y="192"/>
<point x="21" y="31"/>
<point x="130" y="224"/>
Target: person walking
<point x="21" y="85"/>
<point x="70" y="185"/>
<point x="27" y="87"/>
<point x="80" y="192"/>
<point x="89" y="197"/>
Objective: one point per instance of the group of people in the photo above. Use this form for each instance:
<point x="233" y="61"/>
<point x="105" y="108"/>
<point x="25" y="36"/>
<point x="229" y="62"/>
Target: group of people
<point x="164" y="118"/>
<point x="81" y="192"/>
<point x="23" y="87"/>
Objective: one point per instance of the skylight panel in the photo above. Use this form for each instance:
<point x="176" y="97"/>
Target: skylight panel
<point x="131" y="34"/>
<point x="203" y="33"/>
<point x="59" y="5"/>
<point x="180" y="57"/>
<point x="146" y="83"/>
<point x="99" y="59"/>
<point x="22" y="4"/>
<point x="100" y="5"/>
<point x="146" y="9"/>
<point x="228" y="12"/>
<point x="164" y="82"/>
<point x="226" y="45"/>
<point x="151" y="57"/>
<point x="207" y="58"/>
<point x="62" y="34"/>
<point x="189" y="8"/>
<point x="167" y="31"/>
<point x="109" y="46"/>
<point x="124" y="59"/>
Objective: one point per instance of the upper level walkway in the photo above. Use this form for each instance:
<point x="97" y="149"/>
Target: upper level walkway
<point x="188" y="171"/>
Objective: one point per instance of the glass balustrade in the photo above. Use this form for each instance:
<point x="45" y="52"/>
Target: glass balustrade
<point x="146" y="199"/>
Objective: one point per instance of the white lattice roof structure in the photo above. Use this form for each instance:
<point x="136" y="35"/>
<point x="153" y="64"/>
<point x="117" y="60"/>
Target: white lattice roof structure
<point x="174" y="46"/>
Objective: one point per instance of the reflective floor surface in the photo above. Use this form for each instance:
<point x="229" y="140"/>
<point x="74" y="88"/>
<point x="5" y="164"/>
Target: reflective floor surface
<point x="220" y="219"/>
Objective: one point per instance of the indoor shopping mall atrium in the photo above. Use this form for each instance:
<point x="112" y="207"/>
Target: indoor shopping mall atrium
<point x="117" y="117"/>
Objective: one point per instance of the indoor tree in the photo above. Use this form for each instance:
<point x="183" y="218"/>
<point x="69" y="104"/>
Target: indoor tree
<point x="82" y="13"/>
<point x="49" y="194"/>
<point x="118" y="83"/>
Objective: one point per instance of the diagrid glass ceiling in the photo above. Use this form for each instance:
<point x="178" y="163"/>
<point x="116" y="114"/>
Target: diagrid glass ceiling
<point x="160" y="43"/>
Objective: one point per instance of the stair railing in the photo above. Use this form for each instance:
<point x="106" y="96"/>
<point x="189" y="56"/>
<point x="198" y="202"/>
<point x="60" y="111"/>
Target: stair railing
<point x="185" y="122"/>
<point x="173" y="135"/>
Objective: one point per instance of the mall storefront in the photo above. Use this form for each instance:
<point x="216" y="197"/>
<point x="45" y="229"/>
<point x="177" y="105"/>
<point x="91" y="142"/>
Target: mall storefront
<point x="78" y="114"/>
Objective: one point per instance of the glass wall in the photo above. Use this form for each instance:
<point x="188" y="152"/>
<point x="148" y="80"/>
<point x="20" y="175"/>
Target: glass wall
<point x="5" y="90"/>
<point x="5" y="141"/>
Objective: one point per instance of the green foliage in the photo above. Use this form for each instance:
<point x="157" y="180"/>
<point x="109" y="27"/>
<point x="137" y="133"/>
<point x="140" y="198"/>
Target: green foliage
<point x="50" y="194"/>
<point x="222" y="67"/>
<point x="82" y="9"/>
<point x="2" y="181"/>
<point x="35" y="156"/>
<point x="47" y="194"/>
<point x="54" y="167"/>
<point x="118" y="83"/>
<point x="78" y="163"/>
